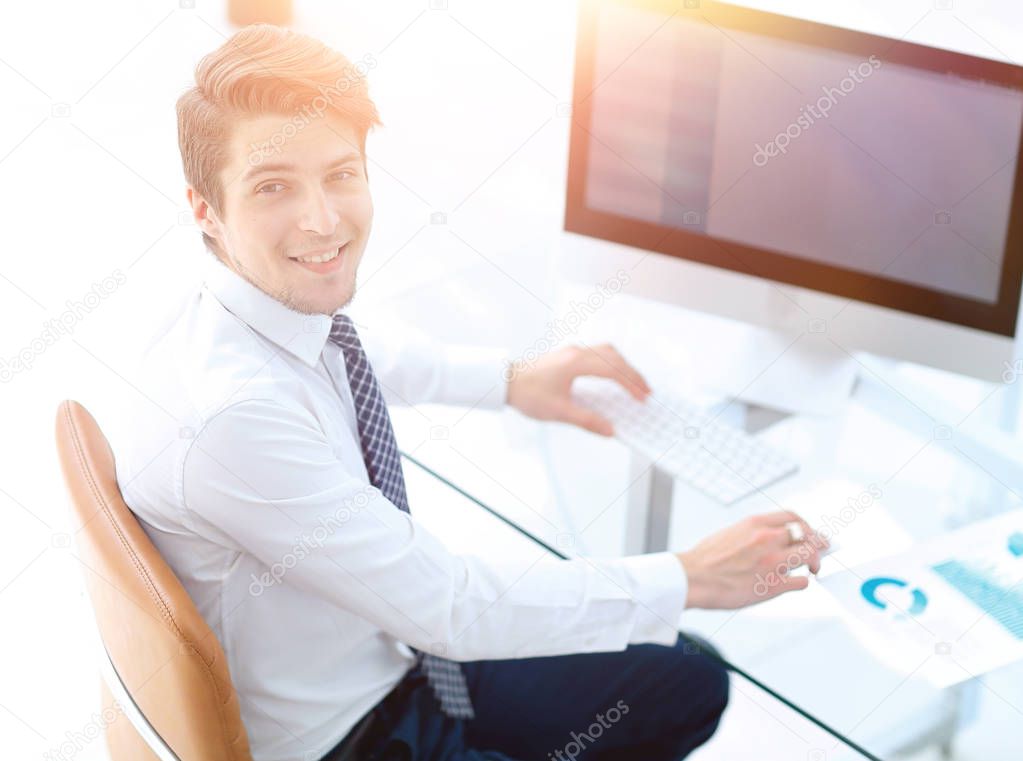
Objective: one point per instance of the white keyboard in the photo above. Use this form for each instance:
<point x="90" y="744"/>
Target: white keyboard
<point x="716" y="458"/>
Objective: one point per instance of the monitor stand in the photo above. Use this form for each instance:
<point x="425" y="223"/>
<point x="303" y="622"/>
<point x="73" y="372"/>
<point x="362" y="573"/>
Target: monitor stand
<point x="799" y="372"/>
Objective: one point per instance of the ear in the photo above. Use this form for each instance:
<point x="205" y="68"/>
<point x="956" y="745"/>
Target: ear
<point x="204" y="215"/>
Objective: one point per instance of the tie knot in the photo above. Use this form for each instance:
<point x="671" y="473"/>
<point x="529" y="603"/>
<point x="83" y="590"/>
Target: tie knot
<point x="342" y="332"/>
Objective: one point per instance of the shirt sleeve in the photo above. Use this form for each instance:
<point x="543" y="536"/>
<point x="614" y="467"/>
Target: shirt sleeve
<point x="414" y="368"/>
<point x="262" y="477"/>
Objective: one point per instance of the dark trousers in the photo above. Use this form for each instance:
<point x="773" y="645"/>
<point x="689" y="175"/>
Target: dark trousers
<point x="647" y="702"/>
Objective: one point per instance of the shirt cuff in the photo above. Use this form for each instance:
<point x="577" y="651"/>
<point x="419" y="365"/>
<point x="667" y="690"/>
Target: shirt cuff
<point x="478" y="377"/>
<point x="661" y="589"/>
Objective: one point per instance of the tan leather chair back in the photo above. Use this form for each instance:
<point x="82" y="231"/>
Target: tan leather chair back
<point x="168" y="658"/>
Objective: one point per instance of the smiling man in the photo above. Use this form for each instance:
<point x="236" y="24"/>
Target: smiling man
<point x="268" y="476"/>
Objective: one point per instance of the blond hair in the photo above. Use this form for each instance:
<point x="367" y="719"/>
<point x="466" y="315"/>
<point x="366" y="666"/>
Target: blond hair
<point x="264" y="69"/>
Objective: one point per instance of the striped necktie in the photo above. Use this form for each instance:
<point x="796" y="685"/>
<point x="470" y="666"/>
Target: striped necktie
<point x="383" y="463"/>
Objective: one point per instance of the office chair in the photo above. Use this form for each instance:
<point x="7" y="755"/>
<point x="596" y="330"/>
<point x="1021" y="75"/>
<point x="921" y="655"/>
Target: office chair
<point x="160" y="661"/>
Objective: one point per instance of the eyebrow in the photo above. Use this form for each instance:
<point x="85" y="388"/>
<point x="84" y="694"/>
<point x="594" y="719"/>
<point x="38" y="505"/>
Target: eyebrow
<point x="286" y="167"/>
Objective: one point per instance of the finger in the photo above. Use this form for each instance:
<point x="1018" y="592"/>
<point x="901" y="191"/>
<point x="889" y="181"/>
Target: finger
<point x="781" y="517"/>
<point x="586" y="418"/>
<point x="605" y="361"/>
<point x="793" y="583"/>
<point x="778" y="518"/>
<point x="799" y="554"/>
<point x="782" y="584"/>
<point x="818" y="540"/>
<point x="640" y="388"/>
<point x="809" y="555"/>
<point x="793" y="554"/>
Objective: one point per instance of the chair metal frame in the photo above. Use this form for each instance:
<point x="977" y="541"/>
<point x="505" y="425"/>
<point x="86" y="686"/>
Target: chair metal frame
<point x="119" y="691"/>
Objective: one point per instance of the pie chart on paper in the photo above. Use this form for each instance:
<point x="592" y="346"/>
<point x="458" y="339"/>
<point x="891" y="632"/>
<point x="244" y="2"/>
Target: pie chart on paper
<point x="915" y="599"/>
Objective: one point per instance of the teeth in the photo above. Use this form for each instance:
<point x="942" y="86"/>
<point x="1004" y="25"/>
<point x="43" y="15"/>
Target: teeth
<point x="321" y="258"/>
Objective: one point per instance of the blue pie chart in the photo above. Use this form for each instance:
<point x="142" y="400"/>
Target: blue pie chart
<point x="869" y="589"/>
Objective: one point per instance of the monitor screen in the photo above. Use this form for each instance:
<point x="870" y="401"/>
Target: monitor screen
<point x="832" y="159"/>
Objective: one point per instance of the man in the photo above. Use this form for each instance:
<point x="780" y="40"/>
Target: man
<point x="265" y="471"/>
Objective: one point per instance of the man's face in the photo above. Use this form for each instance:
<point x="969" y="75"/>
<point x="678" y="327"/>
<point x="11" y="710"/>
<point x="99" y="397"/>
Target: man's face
<point x="279" y="207"/>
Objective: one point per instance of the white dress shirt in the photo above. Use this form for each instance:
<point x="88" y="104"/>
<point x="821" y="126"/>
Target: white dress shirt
<point x="243" y="462"/>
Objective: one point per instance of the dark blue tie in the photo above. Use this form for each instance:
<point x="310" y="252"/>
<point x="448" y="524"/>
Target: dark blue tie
<point x="383" y="463"/>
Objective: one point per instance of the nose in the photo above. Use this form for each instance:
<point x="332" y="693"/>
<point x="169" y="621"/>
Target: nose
<point x="318" y="216"/>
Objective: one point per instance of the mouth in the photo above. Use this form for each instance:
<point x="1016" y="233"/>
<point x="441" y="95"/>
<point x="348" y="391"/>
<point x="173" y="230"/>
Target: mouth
<point x="322" y="262"/>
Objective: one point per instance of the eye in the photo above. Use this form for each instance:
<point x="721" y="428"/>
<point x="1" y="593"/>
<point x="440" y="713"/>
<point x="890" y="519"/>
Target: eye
<point x="348" y="172"/>
<point x="263" y="188"/>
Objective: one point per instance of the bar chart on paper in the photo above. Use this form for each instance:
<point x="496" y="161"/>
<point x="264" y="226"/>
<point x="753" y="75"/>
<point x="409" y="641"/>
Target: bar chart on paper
<point x="951" y="608"/>
<point x="992" y="586"/>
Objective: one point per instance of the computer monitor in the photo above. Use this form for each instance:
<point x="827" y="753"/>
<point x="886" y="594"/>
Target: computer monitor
<point x="772" y="160"/>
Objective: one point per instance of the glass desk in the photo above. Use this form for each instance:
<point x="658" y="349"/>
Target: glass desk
<point x="576" y="493"/>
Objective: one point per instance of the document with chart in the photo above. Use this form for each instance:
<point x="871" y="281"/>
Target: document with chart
<point x="950" y="609"/>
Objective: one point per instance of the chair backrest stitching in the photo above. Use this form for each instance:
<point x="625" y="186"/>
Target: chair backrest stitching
<point x="140" y="568"/>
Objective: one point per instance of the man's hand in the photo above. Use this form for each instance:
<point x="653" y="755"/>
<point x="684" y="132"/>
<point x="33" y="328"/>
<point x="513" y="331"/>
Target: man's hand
<point x="542" y="390"/>
<point x="749" y="562"/>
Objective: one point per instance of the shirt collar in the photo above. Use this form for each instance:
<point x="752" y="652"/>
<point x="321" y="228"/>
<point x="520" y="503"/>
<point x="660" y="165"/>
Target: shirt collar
<point x="304" y="335"/>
